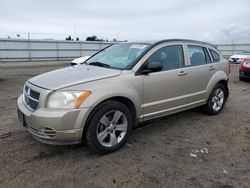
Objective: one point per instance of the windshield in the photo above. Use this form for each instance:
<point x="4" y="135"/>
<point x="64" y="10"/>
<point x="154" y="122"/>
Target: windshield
<point x="118" y="56"/>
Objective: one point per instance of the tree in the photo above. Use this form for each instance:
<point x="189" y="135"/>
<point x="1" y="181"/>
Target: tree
<point x="68" y="38"/>
<point x="92" y="38"/>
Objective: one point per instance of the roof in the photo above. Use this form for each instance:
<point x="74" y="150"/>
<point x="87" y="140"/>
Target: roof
<point x="156" y="42"/>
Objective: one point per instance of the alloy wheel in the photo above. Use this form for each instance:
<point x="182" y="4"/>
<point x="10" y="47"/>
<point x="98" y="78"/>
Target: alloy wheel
<point x="112" y="128"/>
<point x="218" y="99"/>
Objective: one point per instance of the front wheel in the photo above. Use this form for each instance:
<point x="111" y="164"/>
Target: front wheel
<point x="216" y="100"/>
<point x="109" y="127"/>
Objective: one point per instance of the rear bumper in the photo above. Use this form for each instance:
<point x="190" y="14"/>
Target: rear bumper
<point x="58" y="127"/>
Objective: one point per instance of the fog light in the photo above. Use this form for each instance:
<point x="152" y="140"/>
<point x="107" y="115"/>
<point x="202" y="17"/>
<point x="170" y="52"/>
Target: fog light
<point x="48" y="132"/>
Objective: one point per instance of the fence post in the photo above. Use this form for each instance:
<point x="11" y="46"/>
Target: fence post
<point x="233" y="47"/>
<point x="29" y="51"/>
<point x="57" y="50"/>
<point x="80" y="48"/>
<point x="100" y="46"/>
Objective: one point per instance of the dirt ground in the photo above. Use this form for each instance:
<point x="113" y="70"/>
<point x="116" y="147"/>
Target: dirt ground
<point x="190" y="149"/>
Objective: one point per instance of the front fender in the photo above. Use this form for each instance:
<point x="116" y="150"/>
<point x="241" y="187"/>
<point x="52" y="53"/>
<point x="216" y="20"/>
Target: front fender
<point x="129" y="87"/>
<point x="102" y="94"/>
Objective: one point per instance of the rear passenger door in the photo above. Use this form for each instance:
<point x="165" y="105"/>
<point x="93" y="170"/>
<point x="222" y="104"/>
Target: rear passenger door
<point x="201" y="68"/>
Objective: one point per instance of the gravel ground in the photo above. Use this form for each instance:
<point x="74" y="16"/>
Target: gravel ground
<point x="189" y="149"/>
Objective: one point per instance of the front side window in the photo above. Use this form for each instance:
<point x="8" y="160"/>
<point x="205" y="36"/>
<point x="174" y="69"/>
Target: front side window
<point x="118" y="56"/>
<point x="215" y="55"/>
<point x="171" y="57"/>
<point x="198" y="55"/>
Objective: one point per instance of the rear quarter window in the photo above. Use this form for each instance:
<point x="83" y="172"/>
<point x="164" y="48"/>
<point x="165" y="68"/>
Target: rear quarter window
<point x="215" y="55"/>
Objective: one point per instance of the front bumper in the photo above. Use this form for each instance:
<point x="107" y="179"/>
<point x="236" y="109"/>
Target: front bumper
<point x="235" y="60"/>
<point x="56" y="127"/>
<point x="244" y="73"/>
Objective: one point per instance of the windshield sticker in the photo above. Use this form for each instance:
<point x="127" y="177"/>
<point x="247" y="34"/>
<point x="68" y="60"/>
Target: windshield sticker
<point x="138" y="46"/>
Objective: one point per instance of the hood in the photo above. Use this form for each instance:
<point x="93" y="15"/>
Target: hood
<point x="71" y="76"/>
<point x="239" y="56"/>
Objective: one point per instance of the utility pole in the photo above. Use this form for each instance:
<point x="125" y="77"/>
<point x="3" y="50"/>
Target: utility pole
<point x="75" y="30"/>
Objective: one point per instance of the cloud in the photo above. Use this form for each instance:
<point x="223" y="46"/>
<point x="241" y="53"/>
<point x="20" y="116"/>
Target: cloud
<point x="235" y="33"/>
<point x="232" y="33"/>
<point x="213" y="21"/>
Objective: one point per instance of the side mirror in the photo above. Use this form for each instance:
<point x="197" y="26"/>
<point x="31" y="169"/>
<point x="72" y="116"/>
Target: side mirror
<point x="152" y="67"/>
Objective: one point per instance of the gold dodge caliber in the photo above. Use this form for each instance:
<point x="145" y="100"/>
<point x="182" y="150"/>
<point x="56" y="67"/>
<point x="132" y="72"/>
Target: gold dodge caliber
<point x="101" y="100"/>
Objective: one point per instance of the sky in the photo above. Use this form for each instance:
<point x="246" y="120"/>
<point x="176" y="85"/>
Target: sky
<point x="215" y="21"/>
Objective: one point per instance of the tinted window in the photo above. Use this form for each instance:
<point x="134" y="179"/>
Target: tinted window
<point x="215" y="55"/>
<point x="171" y="57"/>
<point x="198" y="55"/>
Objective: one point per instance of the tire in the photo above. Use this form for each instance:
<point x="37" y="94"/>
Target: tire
<point x="112" y="121"/>
<point x="218" y="96"/>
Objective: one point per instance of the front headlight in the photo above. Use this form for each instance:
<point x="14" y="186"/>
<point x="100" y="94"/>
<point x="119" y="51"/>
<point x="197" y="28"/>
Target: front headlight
<point x="66" y="99"/>
<point x="246" y="64"/>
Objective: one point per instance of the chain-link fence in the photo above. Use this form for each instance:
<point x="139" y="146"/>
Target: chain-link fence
<point x="231" y="49"/>
<point x="31" y="50"/>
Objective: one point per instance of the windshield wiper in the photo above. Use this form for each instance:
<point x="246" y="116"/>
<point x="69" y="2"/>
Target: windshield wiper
<point x="100" y="64"/>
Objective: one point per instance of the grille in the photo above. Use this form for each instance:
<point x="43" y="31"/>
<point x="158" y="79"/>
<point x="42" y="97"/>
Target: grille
<point x="235" y="59"/>
<point x="31" y="97"/>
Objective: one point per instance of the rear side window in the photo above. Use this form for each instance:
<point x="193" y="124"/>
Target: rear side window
<point x="215" y="55"/>
<point x="198" y="55"/>
<point x="171" y="57"/>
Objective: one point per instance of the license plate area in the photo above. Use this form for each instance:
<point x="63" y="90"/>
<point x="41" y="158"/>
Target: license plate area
<point x="21" y="117"/>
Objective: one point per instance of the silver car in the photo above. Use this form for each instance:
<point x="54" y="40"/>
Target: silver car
<point x="100" y="101"/>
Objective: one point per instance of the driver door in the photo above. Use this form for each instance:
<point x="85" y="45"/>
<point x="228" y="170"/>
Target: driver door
<point x="165" y="91"/>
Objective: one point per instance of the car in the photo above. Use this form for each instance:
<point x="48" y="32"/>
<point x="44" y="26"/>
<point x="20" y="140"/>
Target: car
<point x="244" y="69"/>
<point x="99" y="102"/>
<point x="79" y="60"/>
<point x="238" y="58"/>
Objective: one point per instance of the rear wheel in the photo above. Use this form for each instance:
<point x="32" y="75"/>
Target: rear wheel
<point x="109" y="127"/>
<point x="216" y="100"/>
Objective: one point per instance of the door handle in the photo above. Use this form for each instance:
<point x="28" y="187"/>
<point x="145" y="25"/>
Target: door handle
<point x="211" y="68"/>
<point x="182" y="73"/>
